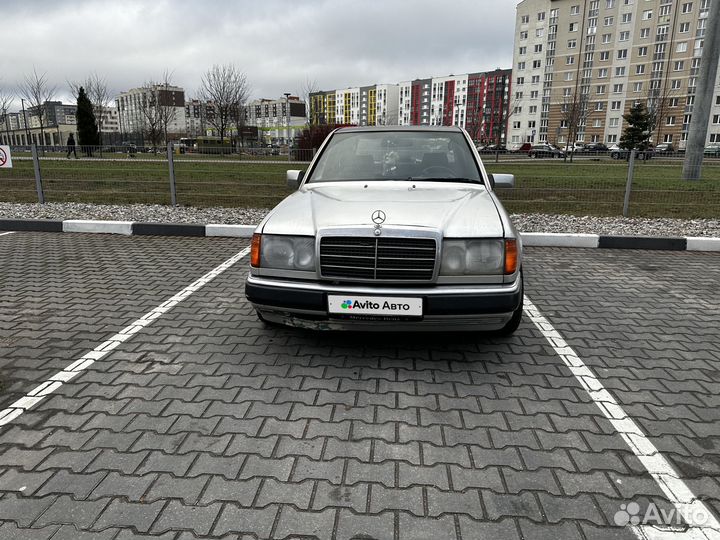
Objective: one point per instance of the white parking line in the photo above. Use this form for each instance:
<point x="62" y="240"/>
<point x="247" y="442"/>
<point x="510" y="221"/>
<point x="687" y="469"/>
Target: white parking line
<point x="46" y="388"/>
<point x="4" y="233"/>
<point x="703" y="525"/>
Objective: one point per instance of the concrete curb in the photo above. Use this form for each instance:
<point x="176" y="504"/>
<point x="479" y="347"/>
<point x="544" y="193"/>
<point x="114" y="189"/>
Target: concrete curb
<point x="571" y="240"/>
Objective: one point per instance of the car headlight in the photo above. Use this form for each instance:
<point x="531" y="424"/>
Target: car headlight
<point x="472" y="257"/>
<point x="287" y="252"/>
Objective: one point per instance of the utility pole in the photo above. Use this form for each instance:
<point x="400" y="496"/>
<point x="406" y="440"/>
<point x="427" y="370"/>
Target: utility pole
<point x="692" y="167"/>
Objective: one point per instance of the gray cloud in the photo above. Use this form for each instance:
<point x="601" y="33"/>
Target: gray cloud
<point x="278" y="43"/>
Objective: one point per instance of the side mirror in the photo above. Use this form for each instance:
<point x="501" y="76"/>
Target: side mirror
<point x="294" y="178"/>
<point x="503" y="180"/>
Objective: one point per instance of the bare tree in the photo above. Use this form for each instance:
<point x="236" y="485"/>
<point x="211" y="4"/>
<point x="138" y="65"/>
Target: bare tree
<point x="658" y="102"/>
<point x="573" y="113"/>
<point x="308" y="87"/>
<point x="97" y="91"/>
<point x="157" y="109"/>
<point x="6" y="98"/>
<point x="36" y="90"/>
<point x="226" y="87"/>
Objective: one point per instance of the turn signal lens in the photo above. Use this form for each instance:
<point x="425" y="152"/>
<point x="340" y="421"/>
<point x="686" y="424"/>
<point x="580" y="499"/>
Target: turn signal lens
<point x="511" y="256"/>
<point x="255" y="250"/>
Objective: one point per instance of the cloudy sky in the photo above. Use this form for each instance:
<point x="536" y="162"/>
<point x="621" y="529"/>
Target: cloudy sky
<point x="279" y="44"/>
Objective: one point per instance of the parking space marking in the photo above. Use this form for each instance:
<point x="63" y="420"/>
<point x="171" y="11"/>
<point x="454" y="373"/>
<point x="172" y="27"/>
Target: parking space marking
<point x="4" y="233"/>
<point x="700" y="519"/>
<point x="49" y="386"/>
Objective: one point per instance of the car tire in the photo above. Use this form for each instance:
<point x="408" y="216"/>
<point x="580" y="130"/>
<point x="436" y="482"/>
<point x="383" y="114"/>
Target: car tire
<point x="615" y="155"/>
<point x="516" y="318"/>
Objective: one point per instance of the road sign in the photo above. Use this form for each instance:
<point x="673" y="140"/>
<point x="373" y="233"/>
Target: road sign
<point x="5" y="158"/>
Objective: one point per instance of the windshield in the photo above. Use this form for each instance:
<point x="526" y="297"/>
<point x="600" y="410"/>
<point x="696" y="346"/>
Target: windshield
<point x="396" y="155"/>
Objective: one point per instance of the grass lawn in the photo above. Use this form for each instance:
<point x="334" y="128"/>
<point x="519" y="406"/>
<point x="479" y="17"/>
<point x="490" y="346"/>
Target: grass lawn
<point x="550" y="186"/>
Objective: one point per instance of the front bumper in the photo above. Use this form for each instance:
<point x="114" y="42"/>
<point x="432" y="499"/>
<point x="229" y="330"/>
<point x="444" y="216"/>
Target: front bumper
<point x="446" y="308"/>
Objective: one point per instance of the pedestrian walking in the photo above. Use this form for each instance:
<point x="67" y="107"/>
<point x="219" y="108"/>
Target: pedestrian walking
<point x="71" y="146"/>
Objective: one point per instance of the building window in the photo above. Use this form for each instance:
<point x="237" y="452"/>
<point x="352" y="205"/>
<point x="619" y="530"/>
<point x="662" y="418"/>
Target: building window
<point x="574" y="27"/>
<point x="522" y="51"/>
<point x="600" y="89"/>
<point x="569" y="76"/>
<point x="622" y="54"/>
<point x="599" y="105"/>
<point x="525" y="19"/>
<point x="605" y="55"/>
<point x="637" y="87"/>
<point x="620" y="71"/>
<point x="574" y="10"/>
<point x="541" y="16"/>
<point x="609" y="21"/>
<point x="647" y="15"/>
<point x="520" y="80"/>
<point x="534" y="94"/>
<point x="674" y="102"/>
<point x="670" y="121"/>
<point x="537" y="63"/>
<point x="612" y="138"/>
<point x="644" y="32"/>
<point x="617" y="88"/>
<point x="536" y="79"/>
<point x="572" y="43"/>
<point x="627" y="17"/>
<point x="602" y="73"/>
<point x="516" y="125"/>
<point x="521" y="65"/>
<point x="615" y="105"/>
<point x="687" y="8"/>
<point x="681" y="47"/>
<point x="540" y="32"/>
<point x="538" y="48"/>
<point x="570" y="60"/>
<point x="624" y="36"/>
<point x="523" y="34"/>
<point x="609" y="4"/>
<point x="684" y="27"/>
<point x="676" y="84"/>
<point x="614" y="122"/>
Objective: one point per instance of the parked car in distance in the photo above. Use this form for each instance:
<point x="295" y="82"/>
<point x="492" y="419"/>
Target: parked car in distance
<point x="712" y="150"/>
<point x="390" y="229"/>
<point x="621" y="153"/>
<point x="493" y="149"/>
<point x="575" y="147"/>
<point x="594" y="148"/>
<point x="664" y="148"/>
<point x="519" y="148"/>
<point x="545" y="150"/>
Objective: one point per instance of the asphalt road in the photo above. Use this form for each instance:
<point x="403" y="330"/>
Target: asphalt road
<point x="203" y="423"/>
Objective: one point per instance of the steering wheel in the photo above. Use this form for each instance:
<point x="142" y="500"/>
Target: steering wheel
<point x="438" y="170"/>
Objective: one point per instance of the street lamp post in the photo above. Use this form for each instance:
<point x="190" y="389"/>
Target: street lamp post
<point x="27" y="132"/>
<point x="287" y="118"/>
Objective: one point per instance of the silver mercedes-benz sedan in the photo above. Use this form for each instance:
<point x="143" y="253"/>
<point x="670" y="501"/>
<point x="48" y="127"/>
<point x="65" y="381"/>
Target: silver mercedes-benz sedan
<point x="391" y="228"/>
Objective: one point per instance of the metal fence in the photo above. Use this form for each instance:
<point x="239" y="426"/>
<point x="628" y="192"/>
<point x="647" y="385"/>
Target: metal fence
<point x="590" y="185"/>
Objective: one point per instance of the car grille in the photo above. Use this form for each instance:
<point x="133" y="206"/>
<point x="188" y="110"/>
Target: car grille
<point x="372" y="259"/>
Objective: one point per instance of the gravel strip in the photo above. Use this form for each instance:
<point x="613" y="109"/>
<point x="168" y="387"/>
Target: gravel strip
<point x="250" y="216"/>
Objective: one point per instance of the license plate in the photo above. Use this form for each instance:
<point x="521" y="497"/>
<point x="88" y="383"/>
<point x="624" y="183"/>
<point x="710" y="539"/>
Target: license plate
<point x="381" y="306"/>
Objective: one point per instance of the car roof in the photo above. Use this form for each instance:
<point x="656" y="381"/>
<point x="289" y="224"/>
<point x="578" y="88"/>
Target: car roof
<point x="400" y="128"/>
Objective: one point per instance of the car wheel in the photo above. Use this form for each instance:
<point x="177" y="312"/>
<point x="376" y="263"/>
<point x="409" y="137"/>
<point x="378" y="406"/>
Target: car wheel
<point x="516" y="318"/>
<point x="614" y="155"/>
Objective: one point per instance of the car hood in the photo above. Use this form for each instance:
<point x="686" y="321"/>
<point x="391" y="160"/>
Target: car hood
<point x="458" y="210"/>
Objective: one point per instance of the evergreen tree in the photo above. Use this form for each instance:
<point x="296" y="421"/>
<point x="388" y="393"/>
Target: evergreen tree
<point x="637" y="129"/>
<point x="88" y="135"/>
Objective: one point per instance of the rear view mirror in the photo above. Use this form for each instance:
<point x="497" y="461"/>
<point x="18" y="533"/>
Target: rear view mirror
<point x="294" y="178"/>
<point x="503" y="180"/>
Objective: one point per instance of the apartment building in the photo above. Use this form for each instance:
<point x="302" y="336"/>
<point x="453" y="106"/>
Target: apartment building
<point x="135" y="105"/>
<point x="477" y="102"/>
<point x="579" y="65"/>
<point x="278" y="120"/>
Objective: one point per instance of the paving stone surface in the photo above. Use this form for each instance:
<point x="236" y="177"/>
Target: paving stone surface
<point x="208" y="424"/>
